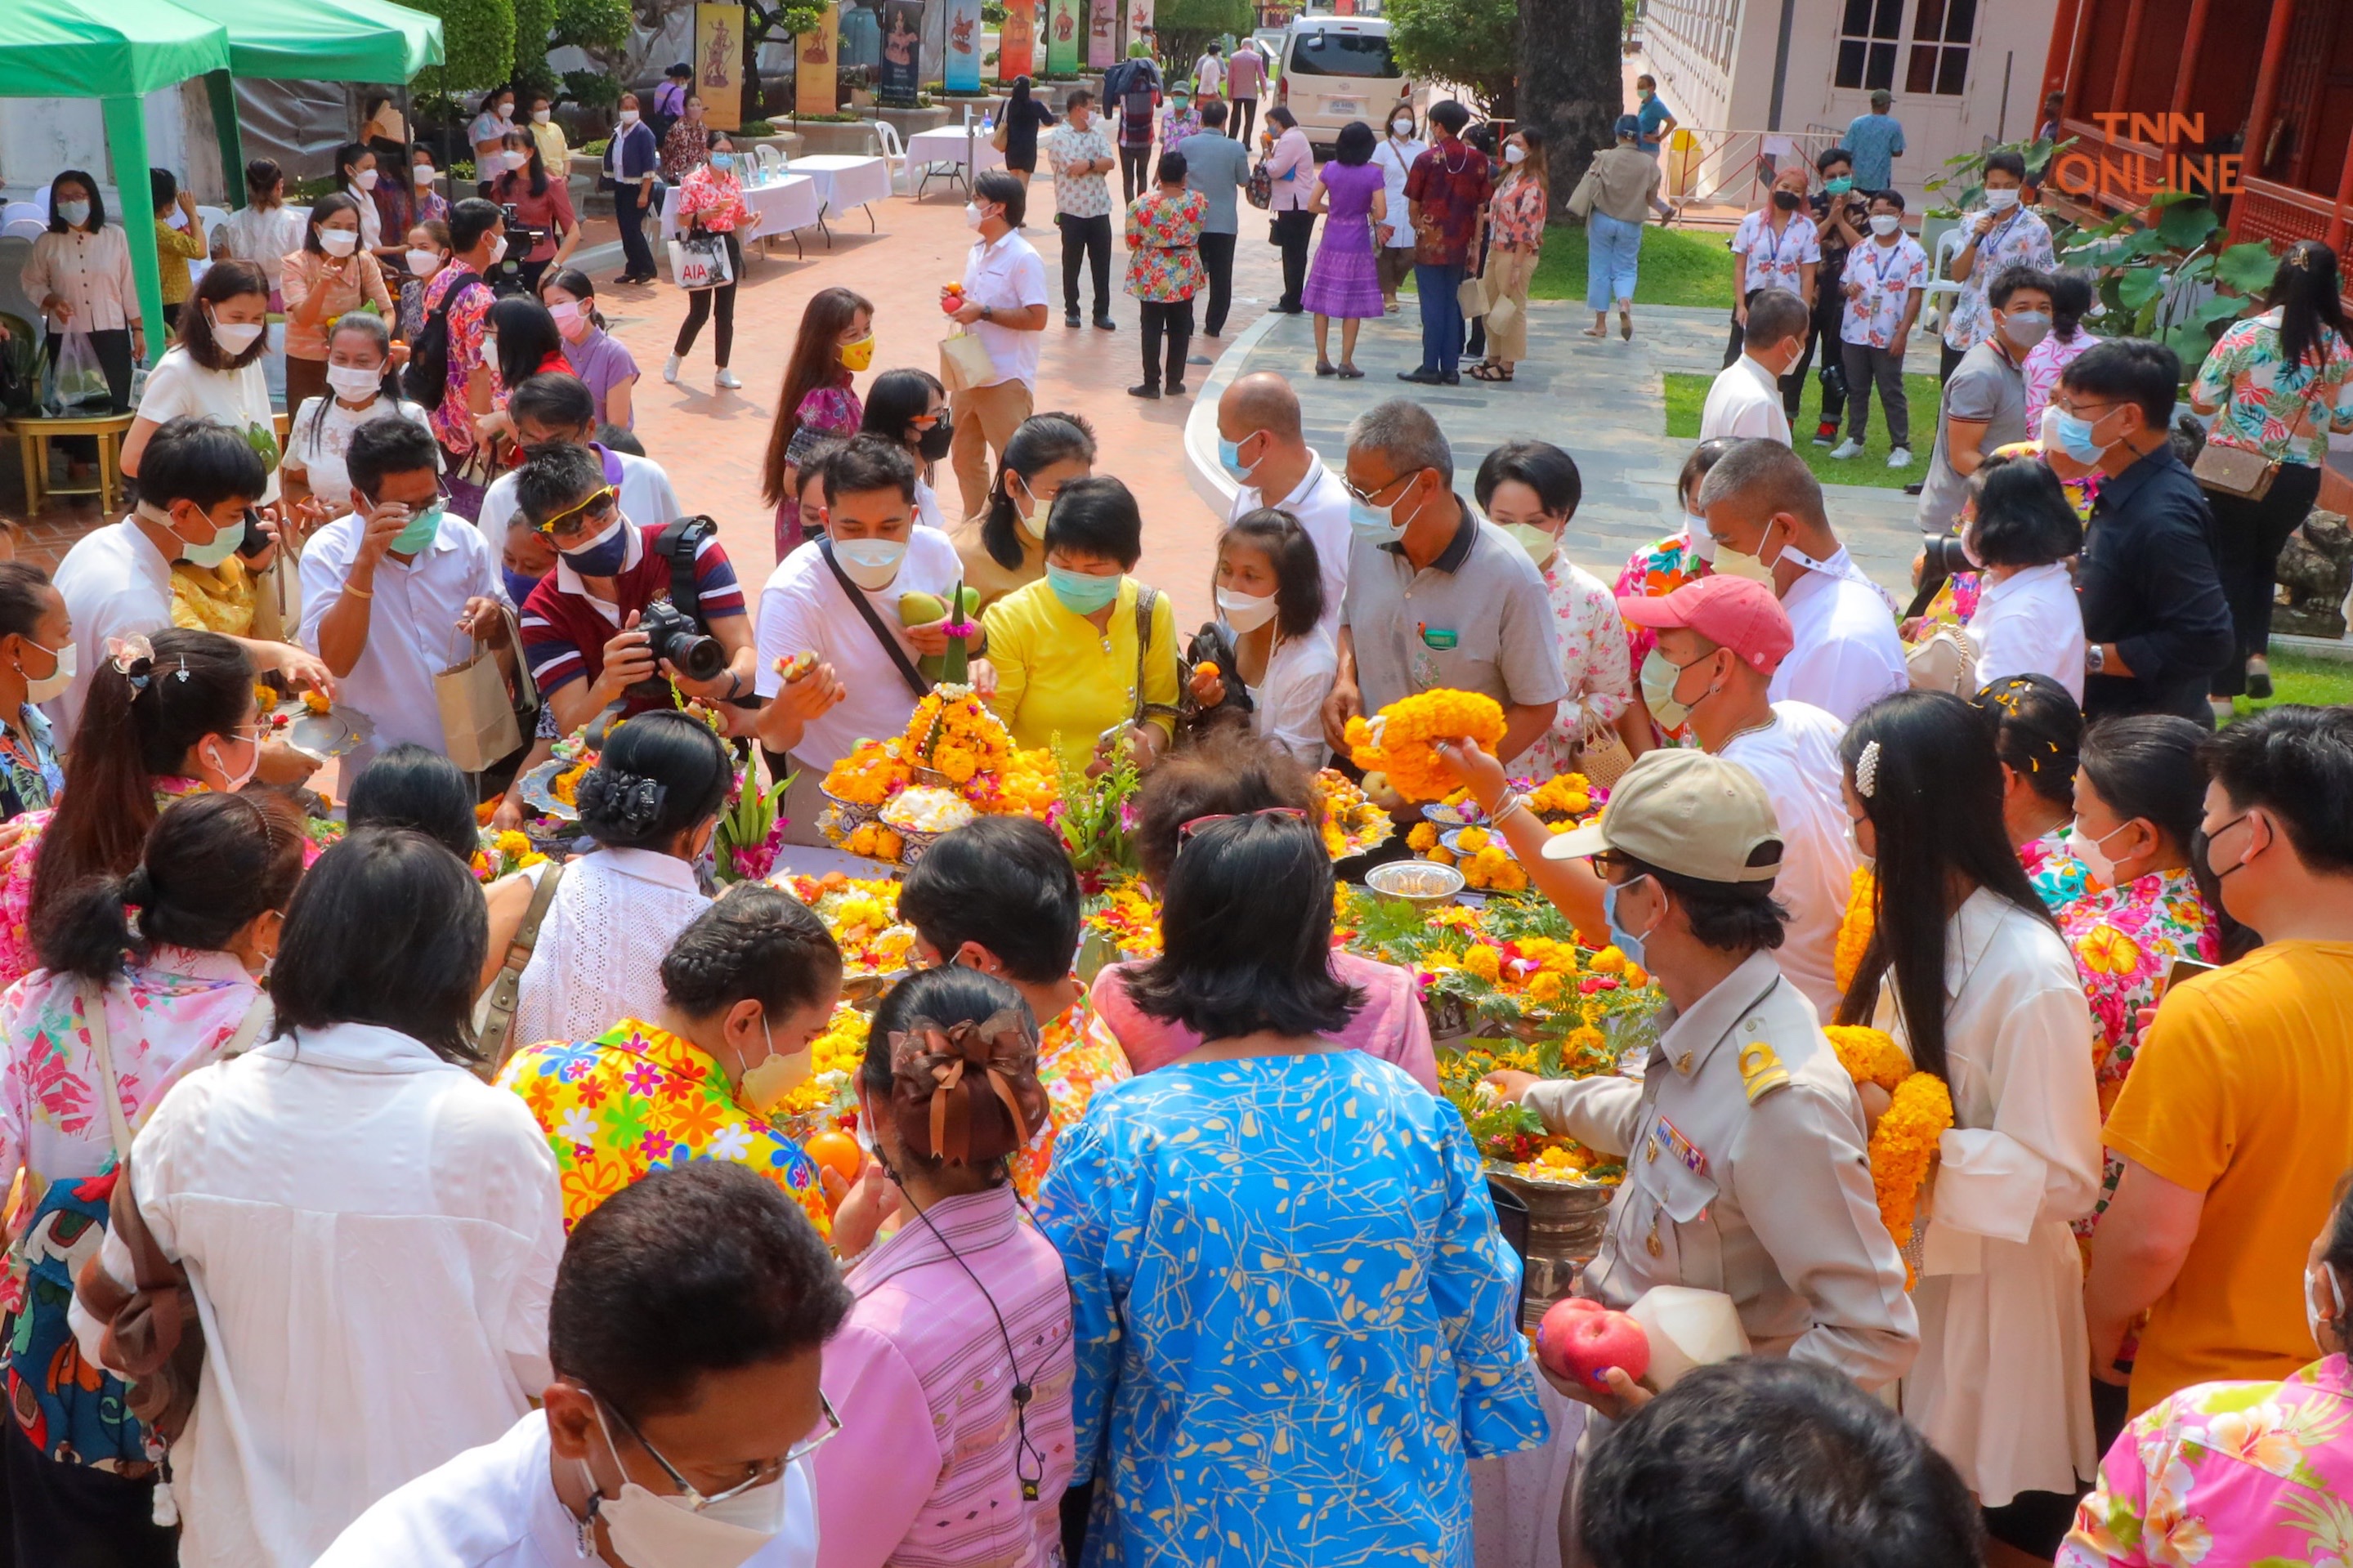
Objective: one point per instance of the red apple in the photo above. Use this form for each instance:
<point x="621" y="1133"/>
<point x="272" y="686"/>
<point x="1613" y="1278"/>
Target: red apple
<point x="1580" y="1340"/>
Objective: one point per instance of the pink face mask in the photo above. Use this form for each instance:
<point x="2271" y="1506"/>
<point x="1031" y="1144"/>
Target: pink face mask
<point x="571" y="320"/>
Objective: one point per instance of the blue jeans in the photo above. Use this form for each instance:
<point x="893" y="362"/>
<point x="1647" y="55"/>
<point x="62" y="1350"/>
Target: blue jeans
<point x="1441" y="317"/>
<point x="1613" y="248"/>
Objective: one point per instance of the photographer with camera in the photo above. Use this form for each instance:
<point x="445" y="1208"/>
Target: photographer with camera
<point x="631" y="610"/>
<point x="552" y="407"/>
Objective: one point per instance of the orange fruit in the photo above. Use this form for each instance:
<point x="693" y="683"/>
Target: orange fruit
<point x="837" y="1152"/>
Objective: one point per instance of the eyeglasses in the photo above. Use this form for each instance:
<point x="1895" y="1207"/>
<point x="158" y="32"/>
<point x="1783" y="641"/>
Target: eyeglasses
<point x="762" y="1475"/>
<point x="1185" y="830"/>
<point x="597" y="500"/>
<point x="1366" y="496"/>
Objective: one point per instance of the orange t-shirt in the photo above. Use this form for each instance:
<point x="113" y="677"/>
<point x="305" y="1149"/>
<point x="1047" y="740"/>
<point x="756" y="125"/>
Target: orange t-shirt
<point x="2242" y="1090"/>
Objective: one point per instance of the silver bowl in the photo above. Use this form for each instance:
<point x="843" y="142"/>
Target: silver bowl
<point x="1421" y="882"/>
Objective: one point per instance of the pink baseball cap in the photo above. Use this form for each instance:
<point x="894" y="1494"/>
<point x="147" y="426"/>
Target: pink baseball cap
<point x="1732" y="612"/>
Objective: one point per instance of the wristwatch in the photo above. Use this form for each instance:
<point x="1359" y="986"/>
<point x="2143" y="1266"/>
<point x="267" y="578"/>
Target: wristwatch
<point x="2095" y="660"/>
<point x="984" y="313"/>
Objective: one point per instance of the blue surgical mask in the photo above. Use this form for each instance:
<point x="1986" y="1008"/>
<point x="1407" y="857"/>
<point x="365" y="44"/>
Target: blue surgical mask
<point x="1839" y="186"/>
<point x="418" y="533"/>
<point x="723" y="162"/>
<point x="1374" y="525"/>
<point x="1229" y="457"/>
<point x="2075" y="437"/>
<point x="1082" y="593"/>
<point x="1625" y="940"/>
<point x="605" y="555"/>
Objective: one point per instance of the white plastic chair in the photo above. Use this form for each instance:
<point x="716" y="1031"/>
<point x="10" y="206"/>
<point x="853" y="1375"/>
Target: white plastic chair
<point x="771" y="161"/>
<point x="211" y="218"/>
<point x="23" y="228"/>
<point x="38" y="212"/>
<point x="894" y="152"/>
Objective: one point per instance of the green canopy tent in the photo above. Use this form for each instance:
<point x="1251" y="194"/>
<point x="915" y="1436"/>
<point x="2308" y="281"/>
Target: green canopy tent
<point x="116" y="51"/>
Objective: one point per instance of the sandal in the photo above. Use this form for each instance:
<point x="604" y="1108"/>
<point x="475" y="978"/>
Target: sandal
<point x="1349" y="373"/>
<point x="1489" y="371"/>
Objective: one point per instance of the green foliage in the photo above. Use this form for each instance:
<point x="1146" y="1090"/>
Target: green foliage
<point x="479" y="37"/>
<point x="596" y="25"/>
<point x="1476" y="43"/>
<point x="756" y="128"/>
<point x="2149" y="274"/>
<point x="534" y="28"/>
<point x="1962" y="184"/>
<point x="1686" y="396"/>
<point x="1185" y="27"/>
<point x="593" y="89"/>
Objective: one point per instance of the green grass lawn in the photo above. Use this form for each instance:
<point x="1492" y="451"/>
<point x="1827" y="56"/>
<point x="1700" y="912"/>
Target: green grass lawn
<point x="1687" y="396"/>
<point x="2300" y="678"/>
<point x="1678" y="268"/>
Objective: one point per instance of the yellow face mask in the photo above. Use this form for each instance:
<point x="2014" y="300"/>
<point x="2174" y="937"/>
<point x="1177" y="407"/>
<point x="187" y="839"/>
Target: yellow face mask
<point x="860" y="355"/>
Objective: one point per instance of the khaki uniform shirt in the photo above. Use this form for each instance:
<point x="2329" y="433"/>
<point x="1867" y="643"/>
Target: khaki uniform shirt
<point x="1747" y="1173"/>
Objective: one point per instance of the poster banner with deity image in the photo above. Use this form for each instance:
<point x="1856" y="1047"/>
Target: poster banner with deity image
<point x="719" y="65"/>
<point x="820" y="53"/>
<point x="1016" y="39"/>
<point x="900" y="72"/>
<point x="962" y="73"/>
<point x="1066" y="18"/>
<point x="1102" y="23"/>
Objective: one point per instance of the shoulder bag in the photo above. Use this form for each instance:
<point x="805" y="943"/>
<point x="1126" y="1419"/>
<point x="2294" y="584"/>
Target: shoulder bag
<point x="907" y="670"/>
<point x="1145" y="599"/>
<point x="1260" y="189"/>
<point x="506" y="991"/>
<point x="2235" y="470"/>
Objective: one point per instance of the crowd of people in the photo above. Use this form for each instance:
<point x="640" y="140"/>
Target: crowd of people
<point x="374" y="1208"/>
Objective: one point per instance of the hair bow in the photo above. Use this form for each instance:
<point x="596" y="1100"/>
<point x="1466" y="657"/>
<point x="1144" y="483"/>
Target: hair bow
<point x="132" y="658"/>
<point x="942" y="1073"/>
<point x="631" y="800"/>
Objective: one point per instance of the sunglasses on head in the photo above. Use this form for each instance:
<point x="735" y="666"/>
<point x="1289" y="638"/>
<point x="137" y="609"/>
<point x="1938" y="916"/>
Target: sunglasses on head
<point x="1185" y="830"/>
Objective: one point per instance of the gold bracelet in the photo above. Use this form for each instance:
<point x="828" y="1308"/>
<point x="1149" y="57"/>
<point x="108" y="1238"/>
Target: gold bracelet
<point x="355" y="591"/>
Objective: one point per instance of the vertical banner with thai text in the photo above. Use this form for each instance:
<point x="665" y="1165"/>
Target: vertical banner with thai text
<point x="719" y="63"/>
<point x="820" y="53"/>
<point x="901" y="74"/>
<point x="962" y="72"/>
<point x="1017" y="40"/>
<point x="1068" y="19"/>
<point x="1102" y="22"/>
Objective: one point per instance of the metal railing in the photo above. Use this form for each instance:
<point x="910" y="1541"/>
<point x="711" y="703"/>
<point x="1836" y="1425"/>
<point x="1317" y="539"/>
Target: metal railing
<point x="1733" y="167"/>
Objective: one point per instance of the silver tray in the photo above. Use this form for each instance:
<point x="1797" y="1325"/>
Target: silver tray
<point x="539" y="790"/>
<point x="321" y="736"/>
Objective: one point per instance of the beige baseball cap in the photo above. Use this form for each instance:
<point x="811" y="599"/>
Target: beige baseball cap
<point x="1687" y="812"/>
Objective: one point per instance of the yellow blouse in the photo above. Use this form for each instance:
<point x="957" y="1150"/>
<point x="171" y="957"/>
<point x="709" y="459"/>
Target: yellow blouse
<point x="1060" y="682"/>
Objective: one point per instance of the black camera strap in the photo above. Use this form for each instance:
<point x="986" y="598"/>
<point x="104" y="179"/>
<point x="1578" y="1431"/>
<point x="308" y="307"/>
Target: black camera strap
<point x="679" y="542"/>
<point x="907" y="670"/>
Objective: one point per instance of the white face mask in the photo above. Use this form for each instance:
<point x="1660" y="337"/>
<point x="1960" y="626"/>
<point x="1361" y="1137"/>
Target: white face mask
<point x="55" y="682"/>
<point x="1025" y="506"/>
<point x="2314" y="1319"/>
<point x="364" y="179"/>
<point x="2001" y="201"/>
<point x="540" y="116"/>
<point x="1245" y="612"/>
<point x="2092" y="852"/>
<point x="512" y="159"/>
<point x="339" y="241"/>
<point x="1515" y="153"/>
<point x="651" y="1530"/>
<point x="973" y="216"/>
<point x="1703" y="543"/>
<point x="215" y="757"/>
<point x="423" y="173"/>
<point x="423" y="263"/>
<point x="628" y="117"/>
<point x="356" y="384"/>
<point x="871" y="563"/>
<point x="1402" y="129"/>
<point x="1884" y="223"/>
<point x="506" y="111"/>
<point x="490" y="345"/>
<point x="235" y="337"/>
<point x="498" y="249"/>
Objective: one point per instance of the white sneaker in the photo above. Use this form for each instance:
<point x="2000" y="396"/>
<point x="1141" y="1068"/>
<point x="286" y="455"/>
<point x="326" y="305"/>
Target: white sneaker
<point x="1901" y="457"/>
<point x="1850" y="447"/>
<point x="669" y="370"/>
<point x="726" y="378"/>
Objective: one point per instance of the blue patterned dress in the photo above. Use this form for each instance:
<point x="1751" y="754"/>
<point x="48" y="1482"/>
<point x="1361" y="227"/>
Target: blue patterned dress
<point x="1295" y="1318"/>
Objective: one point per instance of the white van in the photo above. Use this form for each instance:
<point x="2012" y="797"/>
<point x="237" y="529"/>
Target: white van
<point x="1335" y="70"/>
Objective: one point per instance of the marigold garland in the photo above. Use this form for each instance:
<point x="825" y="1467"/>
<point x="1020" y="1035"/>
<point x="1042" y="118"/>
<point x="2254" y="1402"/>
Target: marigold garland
<point x="1397" y="744"/>
<point x="1904" y="1140"/>
<point x="1869" y="1056"/>
<point x="1855" y="927"/>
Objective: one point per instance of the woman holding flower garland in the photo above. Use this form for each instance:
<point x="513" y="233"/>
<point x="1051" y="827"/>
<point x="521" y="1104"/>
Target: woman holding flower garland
<point x="693" y="1073"/>
<point x="1966" y="970"/>
<point x="2038" y="735"/>
<point x="957" y="1359"/>
<point x="1227" y="1388"/>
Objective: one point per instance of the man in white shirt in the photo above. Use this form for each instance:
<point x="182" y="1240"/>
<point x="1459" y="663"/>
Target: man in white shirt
<point x="554" y="407"/>
<point x="1764" y="507"/>
<point x="1746" y="397"/>
<point x="1720" y="641"/>
<point x="200" y="483"/>
<point x="1004" y="303"/>
<point x="1262" y="446"/>
<point x="396" y="589"/>
<point x="637" y="1414"/>
<point x="837" y="599"/>
<point x="1209" y="71"/>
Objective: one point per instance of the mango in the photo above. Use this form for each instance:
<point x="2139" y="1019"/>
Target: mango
<point x="922" y="610"/>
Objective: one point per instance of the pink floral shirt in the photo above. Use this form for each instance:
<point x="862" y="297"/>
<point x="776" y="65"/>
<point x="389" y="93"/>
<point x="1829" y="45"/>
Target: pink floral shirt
<point x="1164" y="246"/>
<point x="2228" y="1475"/>
<point x="2044" y="365"/>
<point x="715" y="198"/>
<point x="453" y="421"/>
<point x="1592" y="656"/>
<point x="1516" y="215"/>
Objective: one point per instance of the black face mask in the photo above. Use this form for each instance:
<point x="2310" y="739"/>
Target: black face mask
<point x="1786" y="200"/>
<point x="932" y="444"/>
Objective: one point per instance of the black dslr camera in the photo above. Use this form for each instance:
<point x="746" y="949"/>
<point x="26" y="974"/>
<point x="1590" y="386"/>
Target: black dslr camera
<point x="675" y="636"/>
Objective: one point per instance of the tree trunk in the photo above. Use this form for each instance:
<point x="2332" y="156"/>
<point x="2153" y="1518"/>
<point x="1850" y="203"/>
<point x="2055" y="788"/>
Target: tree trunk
<point x="1571" y="88"/>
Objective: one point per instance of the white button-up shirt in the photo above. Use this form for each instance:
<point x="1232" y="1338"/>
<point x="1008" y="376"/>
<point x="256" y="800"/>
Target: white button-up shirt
<point x="91" y="272"/>
<point x="599" y="955"/>
<point x="2031" y="623"/>
<point x="1744" y="400"/>
<point x="495" y="1507"/>
<point x="115" y="585"/>
<point x="1796" y="758"/>
<point x="1320" y="505"/>
<point x="1006" y="275"/>
<point x="1845" y="655"/>
<point x="412" y="625"/>
<point x="372" y="1235"/>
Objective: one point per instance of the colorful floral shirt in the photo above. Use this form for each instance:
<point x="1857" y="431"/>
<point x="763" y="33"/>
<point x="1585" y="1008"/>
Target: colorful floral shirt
<point x="1888" y="274"/>
<point x="1593" y="658"/>
<point x="1075" y="1058"/>
<point x="1175" y="127"/>
<point x="17" y="958"/>
<point x="29" y="775"/>
<point x="638" y="1099"/>
<point x="2125" y="941"/>
<point x="1516" y="215"/>
<point x="2270" y="406"/>
<point x="2044" y="364"/>
<point x="2228" y="1474"/>
<point x="684" y="146"/>
<point x="453" y="421"/>
<point x="1447" y="186"/>
<point x="1652" y="572"/>
<point x="2022" y="239"/>
<point x="2058" y="876"/>
<point x="1081" y="195"/>
<point x="1164" y="246"/>
<point x="1776" y="258"/>
<point x="715" y="198"/>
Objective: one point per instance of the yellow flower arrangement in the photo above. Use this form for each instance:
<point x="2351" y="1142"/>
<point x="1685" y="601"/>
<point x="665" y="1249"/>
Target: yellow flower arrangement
<point x="1423" y="838"/>
<point x="834" y="1059"/>
<point x="1483" y="961"/>
<point x="1569" y="795"/>
<point x="1904" y="1140"/>
<point x="1869" y="1056"/>
<point x="1439" y="854"/>
<point x="1544" y="986"/>
<point x="1471" y="840"/>
<point x="316" y="702"/>
<point x="1855" y="927"/>
<point x="1609" y="961"/>
<point x="1127" y="917"/>
<point x="864" y="916"/>
<point x="566" y="787"/>
<point x="869" y="776"/>
<point x="875" y="841"/>
<point x="1493" y="869"/>
<point x="1397" y="742"/>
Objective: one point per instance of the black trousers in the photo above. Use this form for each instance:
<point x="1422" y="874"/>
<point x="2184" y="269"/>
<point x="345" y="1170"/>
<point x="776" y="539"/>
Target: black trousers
<point x="1830" y="314"/>
<point x="1293" y="231"/>
<point x="1086" y="239"/>
<point x="1792" y="384"/>
<point x="1948" y="360"/>
<point x="1173" y="318"/>
<point x="705" y="304"/>
<point x="2248" y="535"/>
<point x="1240" y="116"/>
<point x="71" y="1516"/>
<point x="1135" y="169"/>
<point x="629" y="213"/>
<point x="1217" y="261"/>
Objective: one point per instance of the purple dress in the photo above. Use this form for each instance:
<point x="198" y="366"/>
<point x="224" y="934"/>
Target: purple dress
<point x="1343" y="280"/>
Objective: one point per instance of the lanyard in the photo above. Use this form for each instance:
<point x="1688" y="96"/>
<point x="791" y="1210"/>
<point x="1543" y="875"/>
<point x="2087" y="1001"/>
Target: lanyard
<point x="1878" y="268"/>
<point x="1764" y="226"/>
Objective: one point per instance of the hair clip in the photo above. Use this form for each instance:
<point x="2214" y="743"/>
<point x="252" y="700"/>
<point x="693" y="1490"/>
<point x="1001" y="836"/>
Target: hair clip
<point x="1866" y="771"/>
<point x="183" y="667"/>
<point x="134" y="657"/>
